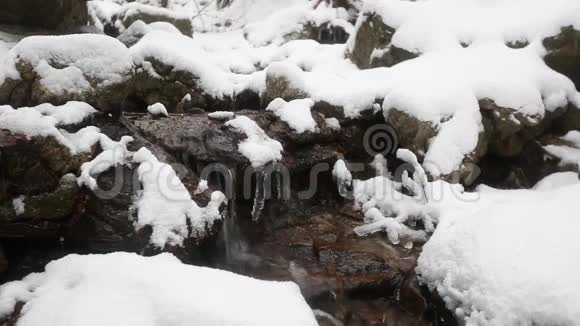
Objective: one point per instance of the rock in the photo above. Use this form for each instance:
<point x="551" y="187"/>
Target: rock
<point x="34" y="166"/>
<point x="412" y="133"/>
<point x="370" y="46"/>
<point x="107" y="221"/>
<point x="59" y="15"/>
<point x="53" y="206"/>
<point x="95" y="69"/>
<point x="563" y="53"/>
<point x="132" y="12"/>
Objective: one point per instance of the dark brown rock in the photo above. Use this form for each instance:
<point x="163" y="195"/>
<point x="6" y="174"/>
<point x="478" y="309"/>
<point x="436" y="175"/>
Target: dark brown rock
<point x="563" y="53"/>
<point x="62" y="15"/>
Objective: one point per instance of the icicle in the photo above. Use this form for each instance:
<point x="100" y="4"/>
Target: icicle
<point x="278" y="186"/>
<point x="259" y="196"/>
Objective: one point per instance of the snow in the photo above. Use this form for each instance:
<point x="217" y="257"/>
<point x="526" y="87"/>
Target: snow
<point x="295" y="113"/>
<point x="43" y="120"/>
<point x="557" y="180"/>
<point x="425" y="26"/>
<point x="113" y="154"/>
<point x="332" y="123"/>
<point x="568" y="153"/>
<point x="71" y="64"/>
<point x="507" y="259"/>
<point x="166" y="205"/>
<point x="275" y="27"/>
<point x="157" y="109"/>
<point x="121" y="289"/>
<point x="221" y="115"/>
<point x="258" y="148"/>
<point x="18" y="205"/>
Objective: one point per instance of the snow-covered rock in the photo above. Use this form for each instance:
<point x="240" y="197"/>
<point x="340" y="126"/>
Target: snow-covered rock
<point x="138" y="29"/>
<point x="300" y="22"/>
<point x="129" y="13"/>
<point x="56" y="69"/>
<point x="166" y="205"/>
<point x="391" y="31"/>
<point x="295" y="113"/>
<point x="258" y="148"/>
<point x="127" y="289"/>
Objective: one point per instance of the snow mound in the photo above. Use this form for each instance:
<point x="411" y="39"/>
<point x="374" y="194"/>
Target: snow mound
<point x="166" y="205"/>
<point x="295" y="113"/>
<point x="425" y="26"/>
<point x="70" y="64"/>
<point x="498" y="262"/>
<point x="121" y="289"/>
<point x="258" y="148"/>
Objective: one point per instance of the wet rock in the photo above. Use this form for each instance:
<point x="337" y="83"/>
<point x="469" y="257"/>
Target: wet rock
<point x="371" y="46"/>
<point x="65" y="15"/>
<point x="34" y="166"/>
<point x="357" y="281"/>
<point x="53" y="206"/>
<point x="132" y="12"/>
<point x="563" y="53"/>
<point x="412" y="133"/>
<point x="506" y="130"/>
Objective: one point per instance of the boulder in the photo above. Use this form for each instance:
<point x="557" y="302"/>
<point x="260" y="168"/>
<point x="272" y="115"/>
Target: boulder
<point x="59" y="15"/>
<point x="370" y="45"/>
<point x="563" y="53"/>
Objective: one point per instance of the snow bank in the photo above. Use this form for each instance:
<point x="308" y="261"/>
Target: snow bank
<point x="166" y="205"/>
<point x="71" y="64"/>
<point x="425" y="26"/>
<point x="508" y="258"/>
<point x="295" y="113"/>
<point x="121" y="289"/>
<point x="44" y="119"/>
<point x="258" y="148"/>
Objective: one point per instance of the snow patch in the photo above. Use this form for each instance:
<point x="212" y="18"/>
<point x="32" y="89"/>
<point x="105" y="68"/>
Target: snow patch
<point x="295" y="113"/>
<point x="121" y="289"/>
<point x="258" y="147"/>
